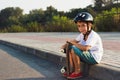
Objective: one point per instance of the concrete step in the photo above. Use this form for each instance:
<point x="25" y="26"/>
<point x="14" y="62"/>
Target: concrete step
<point x="99" y="71"/>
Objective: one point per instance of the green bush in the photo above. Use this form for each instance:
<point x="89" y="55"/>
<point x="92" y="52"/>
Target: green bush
<point x="14" y="28"/>
<point x="106" y="21"/>
<point x="60" y="24"/>
<point x="34" y="27"/>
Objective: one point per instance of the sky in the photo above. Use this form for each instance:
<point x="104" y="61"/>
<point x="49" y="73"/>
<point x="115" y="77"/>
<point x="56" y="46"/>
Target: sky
<point x="60" y="5"/>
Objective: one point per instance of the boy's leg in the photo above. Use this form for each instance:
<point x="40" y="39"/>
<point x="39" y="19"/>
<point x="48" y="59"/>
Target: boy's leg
<point x="76" y="61"/>
<point x="71" y="62"/>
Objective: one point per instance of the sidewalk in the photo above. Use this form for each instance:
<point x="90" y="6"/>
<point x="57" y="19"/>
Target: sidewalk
<point x="50" y="43"/>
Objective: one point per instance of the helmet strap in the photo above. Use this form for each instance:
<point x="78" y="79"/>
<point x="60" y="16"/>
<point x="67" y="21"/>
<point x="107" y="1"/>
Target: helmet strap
<point x="87" y="33"/>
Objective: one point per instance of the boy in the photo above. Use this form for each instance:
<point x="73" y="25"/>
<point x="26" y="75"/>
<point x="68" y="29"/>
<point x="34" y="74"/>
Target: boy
<point x="87" y="47"/>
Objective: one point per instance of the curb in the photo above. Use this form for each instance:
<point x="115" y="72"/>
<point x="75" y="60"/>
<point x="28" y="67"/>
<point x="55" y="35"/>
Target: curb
<point x="60" y="60"/>
<point x="98" y="71"/>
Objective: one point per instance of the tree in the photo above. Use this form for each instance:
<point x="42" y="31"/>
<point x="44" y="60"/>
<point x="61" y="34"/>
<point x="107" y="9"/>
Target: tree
<point x="73" y="12"/>
<point x="108" y="2"/>
<point x="98" y="4"/>
<point x="50" y="12"/>
<point x="61" y="24"/>
<point x="107" y="21"/>
<point x="9" y="15"/>
<point x="37" y="16"/>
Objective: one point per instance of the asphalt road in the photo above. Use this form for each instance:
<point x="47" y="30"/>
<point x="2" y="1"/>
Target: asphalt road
<point x="17" y="65"/>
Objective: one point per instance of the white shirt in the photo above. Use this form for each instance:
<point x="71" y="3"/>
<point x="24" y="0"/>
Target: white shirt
<point x="95" y="42"/>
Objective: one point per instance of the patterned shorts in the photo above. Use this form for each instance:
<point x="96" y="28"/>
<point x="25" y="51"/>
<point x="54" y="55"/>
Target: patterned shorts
<point x="85" y="56"/>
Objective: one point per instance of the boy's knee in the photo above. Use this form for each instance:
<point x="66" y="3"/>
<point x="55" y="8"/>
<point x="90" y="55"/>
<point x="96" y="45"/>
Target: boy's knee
<point x="72" y="50"/>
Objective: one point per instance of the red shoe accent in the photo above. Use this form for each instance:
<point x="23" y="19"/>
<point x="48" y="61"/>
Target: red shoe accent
<point x="74" y="75"/>
<point x="65" y="74"/>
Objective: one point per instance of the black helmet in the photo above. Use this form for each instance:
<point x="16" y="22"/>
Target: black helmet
<point x="83" y="16"/>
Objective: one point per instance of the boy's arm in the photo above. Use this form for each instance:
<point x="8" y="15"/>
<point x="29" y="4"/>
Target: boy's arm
<point x="81" y="47"/>
<point x="64" y="46"/>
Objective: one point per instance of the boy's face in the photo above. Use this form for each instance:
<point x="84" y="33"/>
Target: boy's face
<point x="82" y="27"/>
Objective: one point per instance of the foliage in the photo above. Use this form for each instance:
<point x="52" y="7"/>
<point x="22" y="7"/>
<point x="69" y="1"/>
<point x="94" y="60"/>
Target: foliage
<point x="34" y="27"/>
<point x="60" y="24"/>
<point x="9" y="16"/>
<point x="15" y="28"/>
<point x="107" y="18"/>
<point x="107" y="21"/>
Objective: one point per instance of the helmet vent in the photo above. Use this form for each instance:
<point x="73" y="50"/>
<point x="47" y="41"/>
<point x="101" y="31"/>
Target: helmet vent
<point x="83" y="15"/>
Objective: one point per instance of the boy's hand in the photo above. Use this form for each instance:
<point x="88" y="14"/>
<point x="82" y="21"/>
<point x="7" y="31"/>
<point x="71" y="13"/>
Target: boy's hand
<point x="72" y="42"/>
<point x="63" y="46"/>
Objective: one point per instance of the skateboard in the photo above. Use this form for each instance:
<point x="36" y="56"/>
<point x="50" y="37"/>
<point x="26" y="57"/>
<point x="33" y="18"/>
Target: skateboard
<point x="67" y="67"/>
<point x="67" y="59"/>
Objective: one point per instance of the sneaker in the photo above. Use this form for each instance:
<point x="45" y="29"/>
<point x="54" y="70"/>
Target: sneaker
<point x="65" y="74"/>
<point x="74" y="75"/>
